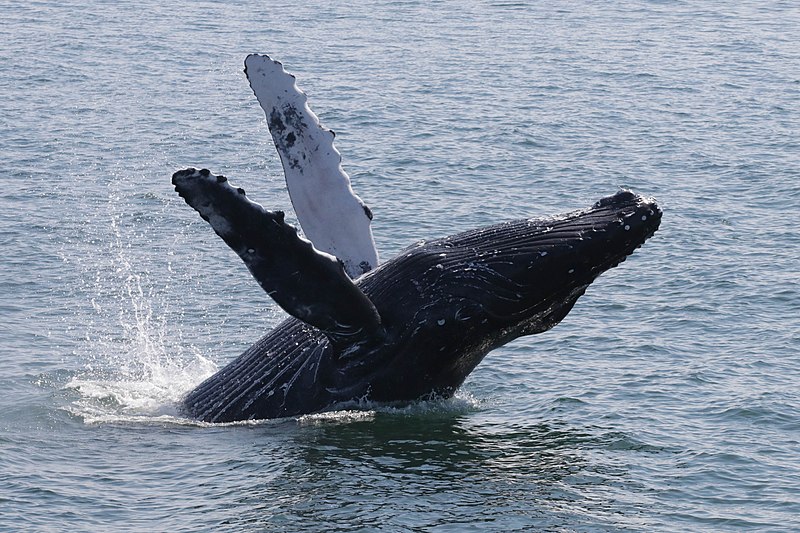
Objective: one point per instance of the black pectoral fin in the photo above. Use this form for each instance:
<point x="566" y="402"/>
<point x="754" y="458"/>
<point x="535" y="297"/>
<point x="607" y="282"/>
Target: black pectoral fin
<point x="307" y="284"/>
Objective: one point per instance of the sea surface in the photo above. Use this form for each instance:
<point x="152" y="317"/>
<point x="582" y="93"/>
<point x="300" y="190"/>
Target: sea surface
<point x="667" y="400"/>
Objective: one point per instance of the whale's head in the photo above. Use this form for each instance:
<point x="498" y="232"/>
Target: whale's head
<point x="453" y="300"/>
<point x="525" y="275"/>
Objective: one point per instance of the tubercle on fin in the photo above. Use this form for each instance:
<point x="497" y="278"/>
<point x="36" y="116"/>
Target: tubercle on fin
<point x="299" y="94"/>
<point x="199" y="187"/>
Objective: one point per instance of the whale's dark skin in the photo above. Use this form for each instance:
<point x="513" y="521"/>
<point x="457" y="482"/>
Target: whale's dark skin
<point x="416" y="326"/>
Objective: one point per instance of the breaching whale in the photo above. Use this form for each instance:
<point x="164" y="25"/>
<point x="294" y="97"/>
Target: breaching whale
<point x="410" y="328"/>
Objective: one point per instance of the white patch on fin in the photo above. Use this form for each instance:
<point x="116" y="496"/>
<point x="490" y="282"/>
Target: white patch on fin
<point x="330" y="213"/>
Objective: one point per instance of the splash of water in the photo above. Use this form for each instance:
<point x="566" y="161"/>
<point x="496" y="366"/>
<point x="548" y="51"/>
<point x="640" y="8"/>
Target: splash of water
<point x="135" y="363"/>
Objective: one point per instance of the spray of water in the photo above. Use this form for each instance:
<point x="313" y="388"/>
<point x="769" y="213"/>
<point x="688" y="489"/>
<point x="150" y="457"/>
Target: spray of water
<point x="133" y="363"/>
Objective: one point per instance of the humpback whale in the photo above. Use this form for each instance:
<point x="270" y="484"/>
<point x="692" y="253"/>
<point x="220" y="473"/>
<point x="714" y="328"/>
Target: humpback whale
<point x="410" y="328"/>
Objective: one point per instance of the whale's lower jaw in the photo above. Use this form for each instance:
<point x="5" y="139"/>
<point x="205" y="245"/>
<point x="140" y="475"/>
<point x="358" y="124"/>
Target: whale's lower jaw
<point x="443" y="304"/>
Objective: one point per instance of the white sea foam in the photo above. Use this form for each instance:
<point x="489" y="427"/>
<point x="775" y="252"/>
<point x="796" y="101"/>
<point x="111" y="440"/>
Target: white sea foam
<point x="365" y="410"/>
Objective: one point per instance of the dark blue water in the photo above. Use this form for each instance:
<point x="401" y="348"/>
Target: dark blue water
<point x="666" y="401"/>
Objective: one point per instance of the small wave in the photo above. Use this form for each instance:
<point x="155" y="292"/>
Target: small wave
<point x="360" y="410"/>
<point x="337" y="417"/>
<point x="617" y="441"/>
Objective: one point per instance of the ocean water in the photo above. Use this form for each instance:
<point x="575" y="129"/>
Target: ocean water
<point x="666" y="401"/>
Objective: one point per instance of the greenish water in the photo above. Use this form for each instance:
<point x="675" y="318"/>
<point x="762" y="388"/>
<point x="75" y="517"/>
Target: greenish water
<point x="667" y="400"/>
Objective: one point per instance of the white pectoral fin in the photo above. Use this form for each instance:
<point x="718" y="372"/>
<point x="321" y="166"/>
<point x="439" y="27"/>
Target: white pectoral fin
<point x="330" y="213"/>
